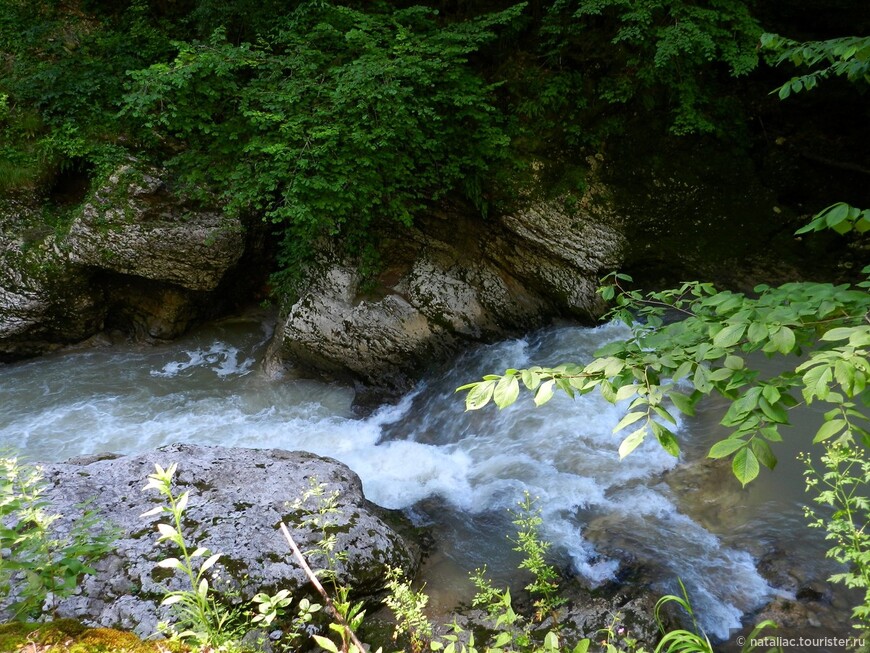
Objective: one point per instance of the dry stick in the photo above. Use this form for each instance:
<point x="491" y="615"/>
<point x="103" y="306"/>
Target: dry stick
<point x="314" y="581"/>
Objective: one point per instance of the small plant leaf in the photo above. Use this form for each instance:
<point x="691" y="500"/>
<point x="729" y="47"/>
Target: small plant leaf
<point x="208" y="564"/>
<point x="170" y="563"/>
<point x="325" y="643"/>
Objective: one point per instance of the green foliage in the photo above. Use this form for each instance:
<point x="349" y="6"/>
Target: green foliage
<point x="408" y="606"/>
<point x="545" y="586"/>
<point x="334" y="122"/>
<point x="707" y="349"/>
<point x="34" y="559"/>
<point x="847" y="57"/>
<point x="841" y="486"/>
<point x="63" y="78"/>
<point x="839" y="217"/>
<point x="201" y="619"/>
<point x="681" y="639"/>
<point x="660" y="52"/>
<point x="319" y="511"/>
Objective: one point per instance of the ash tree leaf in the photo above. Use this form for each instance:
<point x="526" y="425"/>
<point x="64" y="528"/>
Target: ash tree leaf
<point x="479" y="395"/>
<point x="734" y="362"/>
<point x="782" y="340"/>
<point x="632" y="442"/>
<point x="661" y="412"/>
<point x="530" y="379"/>
<point x="729" y="336"/>
<point x="666" y="438"/>
<point x="626" y="391"/>
<point x="773" y="412"/>
<point x="544" y="393"/>
<point x="757" y="332"/>
<point x="683" y="403"/>
<point x="829" y="430"/>
<point x="764" y="453"/>
<point x="745" y="466"/>
<point x="726" y="447"/>
<point x="840" y="333"/>
<point x="629" y="419"/>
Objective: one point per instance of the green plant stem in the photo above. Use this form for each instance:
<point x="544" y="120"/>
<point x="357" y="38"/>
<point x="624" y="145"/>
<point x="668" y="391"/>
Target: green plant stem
<point x="312" y="577"/>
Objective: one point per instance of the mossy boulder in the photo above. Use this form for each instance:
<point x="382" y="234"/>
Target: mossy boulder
<point x="70" y="636"/>
<point x="44" y="302"/>
<point x="134" y="225"/>
<point x="135" y="256"/>
<point x="238" y="497"/>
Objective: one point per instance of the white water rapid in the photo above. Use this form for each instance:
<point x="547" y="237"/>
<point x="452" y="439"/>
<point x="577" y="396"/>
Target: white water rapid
<point x="208" y="389"/>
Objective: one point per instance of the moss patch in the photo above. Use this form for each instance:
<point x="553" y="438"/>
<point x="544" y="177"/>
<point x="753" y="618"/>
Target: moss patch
<point x="70" y="636"/>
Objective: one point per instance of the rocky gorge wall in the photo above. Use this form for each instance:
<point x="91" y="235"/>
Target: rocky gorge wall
<point x="140" y="258"/>
<point x="135" y="257"/>
<point x="451" y="280"/>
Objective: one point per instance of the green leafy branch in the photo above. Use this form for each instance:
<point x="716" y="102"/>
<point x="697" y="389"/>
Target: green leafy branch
<point x="707" y="350"/>
<point x="839" y="217"/>
<point x="841" y="57"/>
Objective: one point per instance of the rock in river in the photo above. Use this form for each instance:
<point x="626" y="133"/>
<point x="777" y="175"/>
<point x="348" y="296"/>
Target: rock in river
<point x="238" y="497"/>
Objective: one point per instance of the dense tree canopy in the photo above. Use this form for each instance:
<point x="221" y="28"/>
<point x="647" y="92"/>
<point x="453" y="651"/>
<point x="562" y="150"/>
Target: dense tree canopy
<point x="330" y="118"/>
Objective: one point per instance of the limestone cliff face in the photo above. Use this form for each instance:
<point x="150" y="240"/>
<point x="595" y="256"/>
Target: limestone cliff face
<point x="134" y="226"/>
<point x="43" y="301"/>
<point x="453" y="280"/>
<point x="135" y="257"/>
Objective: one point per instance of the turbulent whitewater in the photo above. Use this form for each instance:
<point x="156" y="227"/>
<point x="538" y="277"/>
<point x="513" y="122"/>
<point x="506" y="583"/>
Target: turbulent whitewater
<point x="459" y="470"/>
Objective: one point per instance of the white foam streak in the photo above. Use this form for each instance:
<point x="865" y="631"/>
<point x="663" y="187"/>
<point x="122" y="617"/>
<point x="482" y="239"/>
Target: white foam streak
<point x="220" y="358"/>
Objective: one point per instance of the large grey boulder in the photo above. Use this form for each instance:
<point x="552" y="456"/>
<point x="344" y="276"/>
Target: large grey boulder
<point x="237" y="499"/>
<point x="133" y="225"/>
<point x="450" y="281"/>
<point x="137" y="257"/>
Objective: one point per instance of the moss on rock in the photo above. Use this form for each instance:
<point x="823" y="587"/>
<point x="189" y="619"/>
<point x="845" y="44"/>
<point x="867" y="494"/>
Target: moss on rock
<point x="70" y="636"/>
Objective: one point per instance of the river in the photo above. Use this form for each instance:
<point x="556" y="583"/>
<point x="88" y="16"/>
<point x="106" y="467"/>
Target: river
<point x="458" y="471"/>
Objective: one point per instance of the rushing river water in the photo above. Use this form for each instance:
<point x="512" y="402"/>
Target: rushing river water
<point x="458" y="470"/>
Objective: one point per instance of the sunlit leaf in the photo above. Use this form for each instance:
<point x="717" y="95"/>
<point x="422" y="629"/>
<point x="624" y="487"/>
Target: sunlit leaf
<point x="632" y="441"/>
<point x="745" y="466"/>
<point x="726" y="447"/>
